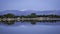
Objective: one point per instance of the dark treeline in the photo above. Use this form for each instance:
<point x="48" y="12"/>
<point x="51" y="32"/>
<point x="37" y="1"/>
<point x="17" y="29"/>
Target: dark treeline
<point x="32" y="15"/>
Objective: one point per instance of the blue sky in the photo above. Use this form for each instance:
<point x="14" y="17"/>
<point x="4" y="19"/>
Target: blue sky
<point x="30" y="4"/>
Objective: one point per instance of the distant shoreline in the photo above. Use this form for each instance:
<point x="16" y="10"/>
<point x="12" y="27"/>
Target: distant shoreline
<point x="32" y="16"/>
<point x="28" y="19"/>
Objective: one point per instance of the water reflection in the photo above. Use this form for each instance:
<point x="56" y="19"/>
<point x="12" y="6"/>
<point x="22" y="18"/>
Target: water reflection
<point x="32" y="22"/>
<point x="27" y="27"/>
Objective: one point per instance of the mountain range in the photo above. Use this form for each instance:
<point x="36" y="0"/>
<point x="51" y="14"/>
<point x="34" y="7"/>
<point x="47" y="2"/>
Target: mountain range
<point x="28" y="12"/>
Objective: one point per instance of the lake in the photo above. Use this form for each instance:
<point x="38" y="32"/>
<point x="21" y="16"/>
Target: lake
<point x="28" y="28"/>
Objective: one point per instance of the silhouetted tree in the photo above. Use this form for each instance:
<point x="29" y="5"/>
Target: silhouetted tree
<point x="33" y="15"/>
<point x="9" y="15"/>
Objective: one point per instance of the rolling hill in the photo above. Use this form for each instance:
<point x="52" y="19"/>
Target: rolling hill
<point x="28" y="12"/>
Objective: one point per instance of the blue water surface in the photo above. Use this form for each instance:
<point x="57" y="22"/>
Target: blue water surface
<point x="27" y="28"/>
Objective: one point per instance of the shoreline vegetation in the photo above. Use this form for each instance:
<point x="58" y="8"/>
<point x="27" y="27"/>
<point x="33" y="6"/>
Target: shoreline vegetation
<point x="11" y="18"/>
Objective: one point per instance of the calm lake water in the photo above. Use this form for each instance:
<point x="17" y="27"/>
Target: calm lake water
<point x="28" y="28"/>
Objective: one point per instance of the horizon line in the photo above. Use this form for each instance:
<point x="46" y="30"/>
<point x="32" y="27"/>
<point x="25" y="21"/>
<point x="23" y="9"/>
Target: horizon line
<point x="31" y="9"/>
